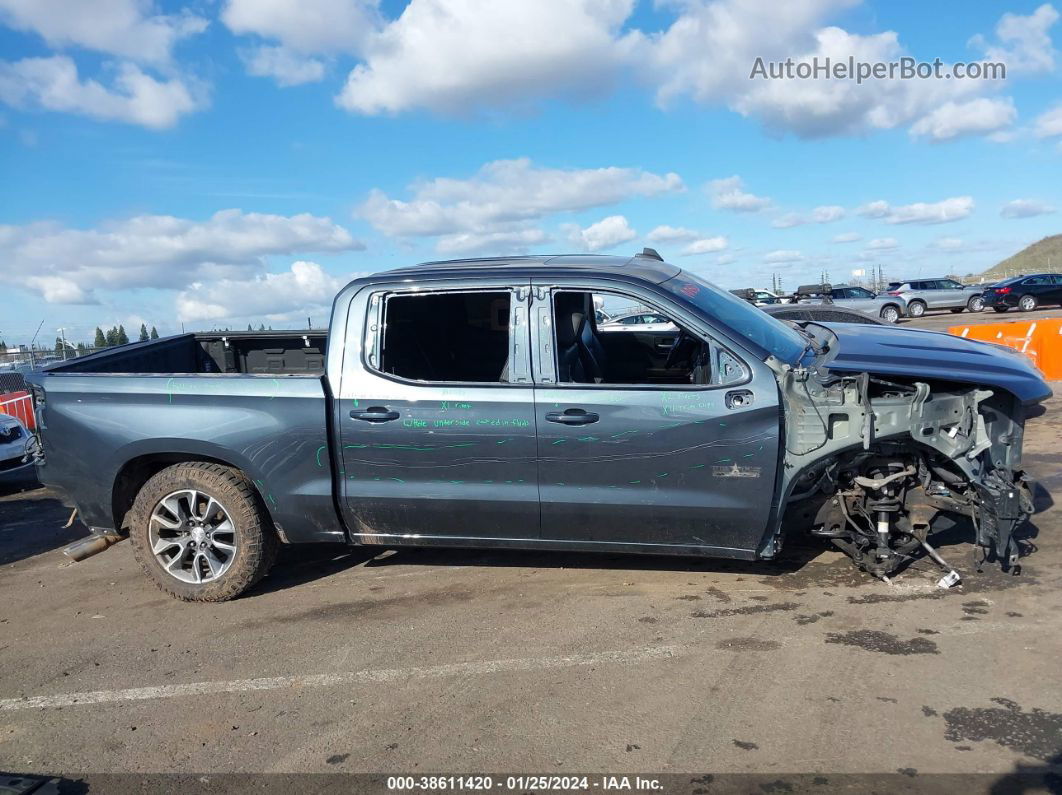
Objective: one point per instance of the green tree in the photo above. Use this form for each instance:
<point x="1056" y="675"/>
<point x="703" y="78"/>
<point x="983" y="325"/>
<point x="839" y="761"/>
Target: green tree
<point x="249" y="327"/>
<point x="123" y="338"/>
<point x="143" y="332"/>
<point x="100" y="341"/>
<point x="3" y="347"/>
<point x="112" y="336"/>
<point x="154" y="333"/>
<point x="262" y="327"/>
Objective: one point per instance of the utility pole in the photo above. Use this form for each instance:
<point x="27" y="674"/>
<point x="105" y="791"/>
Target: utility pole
<point x="309" y="325"/>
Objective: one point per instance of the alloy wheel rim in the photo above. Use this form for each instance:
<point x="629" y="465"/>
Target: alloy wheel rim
<point x="890" y="315"/>
<point x="192" y="536"/>
<point x="917" y="310"/>
<point x="1026" y="303"/>
<point x="977" y="305"/>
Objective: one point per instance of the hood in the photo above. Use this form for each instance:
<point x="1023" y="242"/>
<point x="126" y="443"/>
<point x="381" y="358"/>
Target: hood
<point x="934" y="355"/>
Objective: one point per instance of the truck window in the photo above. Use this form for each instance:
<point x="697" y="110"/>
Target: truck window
<point x="447" y="337"/>
<point x="658" y="352"/>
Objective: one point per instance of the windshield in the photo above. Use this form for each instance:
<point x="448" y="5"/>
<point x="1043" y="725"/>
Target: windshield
<point x="768" y="335"/>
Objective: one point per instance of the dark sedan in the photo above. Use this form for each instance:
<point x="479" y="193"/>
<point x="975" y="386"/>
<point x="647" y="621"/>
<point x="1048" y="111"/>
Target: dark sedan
<point x="1025" y="292"/>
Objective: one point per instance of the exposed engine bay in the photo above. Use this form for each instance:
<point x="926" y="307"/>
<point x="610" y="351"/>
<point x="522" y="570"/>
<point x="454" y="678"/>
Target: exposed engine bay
<point x="878" y="465"/>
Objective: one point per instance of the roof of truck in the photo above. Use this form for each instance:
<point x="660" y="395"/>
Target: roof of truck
<point x="646" y="265"/>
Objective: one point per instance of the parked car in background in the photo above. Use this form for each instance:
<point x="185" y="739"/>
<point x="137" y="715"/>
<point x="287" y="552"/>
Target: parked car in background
<point x="13" y="440"/>
<point x="888" y="308"/>
<point x="820" y="313"/>
<point x="924" y="294"/>
<point x="638" y="321"/>
<point x="1024" y="292"/>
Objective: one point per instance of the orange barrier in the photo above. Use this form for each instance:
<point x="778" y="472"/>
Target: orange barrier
<point x="1040" y="340"/>
<point x="19" y="404"/>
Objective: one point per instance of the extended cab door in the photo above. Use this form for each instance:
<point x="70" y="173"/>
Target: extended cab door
<point x="435" y="413"/>
<point x="677" y="451"/>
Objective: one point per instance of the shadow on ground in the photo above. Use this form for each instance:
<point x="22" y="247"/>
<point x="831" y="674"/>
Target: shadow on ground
<point x="32" y="519"/>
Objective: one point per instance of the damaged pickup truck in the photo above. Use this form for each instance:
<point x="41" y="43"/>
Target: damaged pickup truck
<point x="478" y="403"/>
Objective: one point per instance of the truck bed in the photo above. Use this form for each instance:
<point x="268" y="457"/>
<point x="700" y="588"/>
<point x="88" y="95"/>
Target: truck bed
<point x="248" y="352"/>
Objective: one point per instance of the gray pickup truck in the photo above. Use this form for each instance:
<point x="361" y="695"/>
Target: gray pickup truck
<point x="476" y="404"/>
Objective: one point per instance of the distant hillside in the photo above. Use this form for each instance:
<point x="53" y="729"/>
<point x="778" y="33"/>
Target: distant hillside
<point x="1042" y="256"/>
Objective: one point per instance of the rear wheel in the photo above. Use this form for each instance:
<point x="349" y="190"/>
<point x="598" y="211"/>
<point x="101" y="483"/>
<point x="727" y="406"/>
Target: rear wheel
<point x="976" y="304"/>
<point x="916" y="308"/>
<point x="890" y="313"/>
<point x="200" y="532"/>
<point x="1027" y="303"/>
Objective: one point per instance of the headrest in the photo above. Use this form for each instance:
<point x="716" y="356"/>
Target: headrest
<point x="571" y="312"/>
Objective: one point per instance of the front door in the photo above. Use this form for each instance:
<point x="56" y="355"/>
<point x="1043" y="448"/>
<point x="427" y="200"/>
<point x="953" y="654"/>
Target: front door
<point x="436" y="429"/>
<point x="638" y="446"/>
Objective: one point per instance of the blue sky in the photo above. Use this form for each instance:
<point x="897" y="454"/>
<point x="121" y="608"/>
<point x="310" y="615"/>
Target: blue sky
<point x="219" y="163"/>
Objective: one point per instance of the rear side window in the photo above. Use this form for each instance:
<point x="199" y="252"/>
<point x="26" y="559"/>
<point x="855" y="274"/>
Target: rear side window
<point x="1035" y="280"/>
<point x="447" y="337"/>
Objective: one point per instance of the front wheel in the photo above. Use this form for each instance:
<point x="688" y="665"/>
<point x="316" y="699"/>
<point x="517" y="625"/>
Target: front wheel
<point x="201" y="533"/>
<point x="916" y="308"/>
<point x="976" y="304"/>
<point x="890" y="314"/>
<point x="1027" y="303"/>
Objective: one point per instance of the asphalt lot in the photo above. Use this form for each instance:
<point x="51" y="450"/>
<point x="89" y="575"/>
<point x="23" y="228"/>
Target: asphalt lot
<point x="466" y="662"/>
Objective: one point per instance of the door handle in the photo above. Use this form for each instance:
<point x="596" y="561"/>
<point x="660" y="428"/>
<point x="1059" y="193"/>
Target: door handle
<point x="375" y="414"/>
<point x="738" y="399"/>
<point x="573" y="417"/>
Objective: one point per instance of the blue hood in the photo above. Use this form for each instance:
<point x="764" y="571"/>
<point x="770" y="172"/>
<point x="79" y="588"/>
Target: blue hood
<point x="916" y="353"/>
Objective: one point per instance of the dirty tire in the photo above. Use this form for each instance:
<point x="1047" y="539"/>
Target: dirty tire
<point x="256" y="540"/>
<point x="916" y="308"/>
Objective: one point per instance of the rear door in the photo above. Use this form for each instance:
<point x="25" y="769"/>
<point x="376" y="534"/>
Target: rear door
<point x="681" y="456"/>
<point x="435" y="414"/>
<point x="1055" y="296"/>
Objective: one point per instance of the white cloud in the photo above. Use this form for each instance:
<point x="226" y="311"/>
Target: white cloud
<point x="1025" y="208"/>
<point x="515" y="239"/>
<point x="136" y="97"/>
<point x="705" y="245"/>
<point x="1024" y="41"/>
<point x="948" y="243"/>
<point x="825" y="214"/>
<point x="321" y="26"/>
<point x="942" y="212"/>
<point x="157" y="250"/>
<point x="458" y="55"/>
<point x="672" y="234"/>
<point x="882" y="244"/>
<point x="505" y="193"/>
<point x="305" y="289"/>
<point x="118" y="27"/>
<point x="604" y="234"/>
<point x="974" y="117"/>
<point x="286" y="67"/>
<point x="783" y="255"/>
<point x="729" y="194"/>
<point x="1049" y="123"/>
<point x="847" y="237"/>
<point x="60" y="290"/>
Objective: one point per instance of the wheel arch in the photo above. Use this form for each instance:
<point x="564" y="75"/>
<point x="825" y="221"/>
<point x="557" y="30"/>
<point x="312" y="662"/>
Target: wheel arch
<point x="131" y="477"/>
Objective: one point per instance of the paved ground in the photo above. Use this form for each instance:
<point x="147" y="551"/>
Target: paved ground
<point x="468" y="662"/>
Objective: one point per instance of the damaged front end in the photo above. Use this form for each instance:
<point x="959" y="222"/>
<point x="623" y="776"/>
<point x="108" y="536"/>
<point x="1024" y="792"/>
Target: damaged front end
<point x="878" y="464"/>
